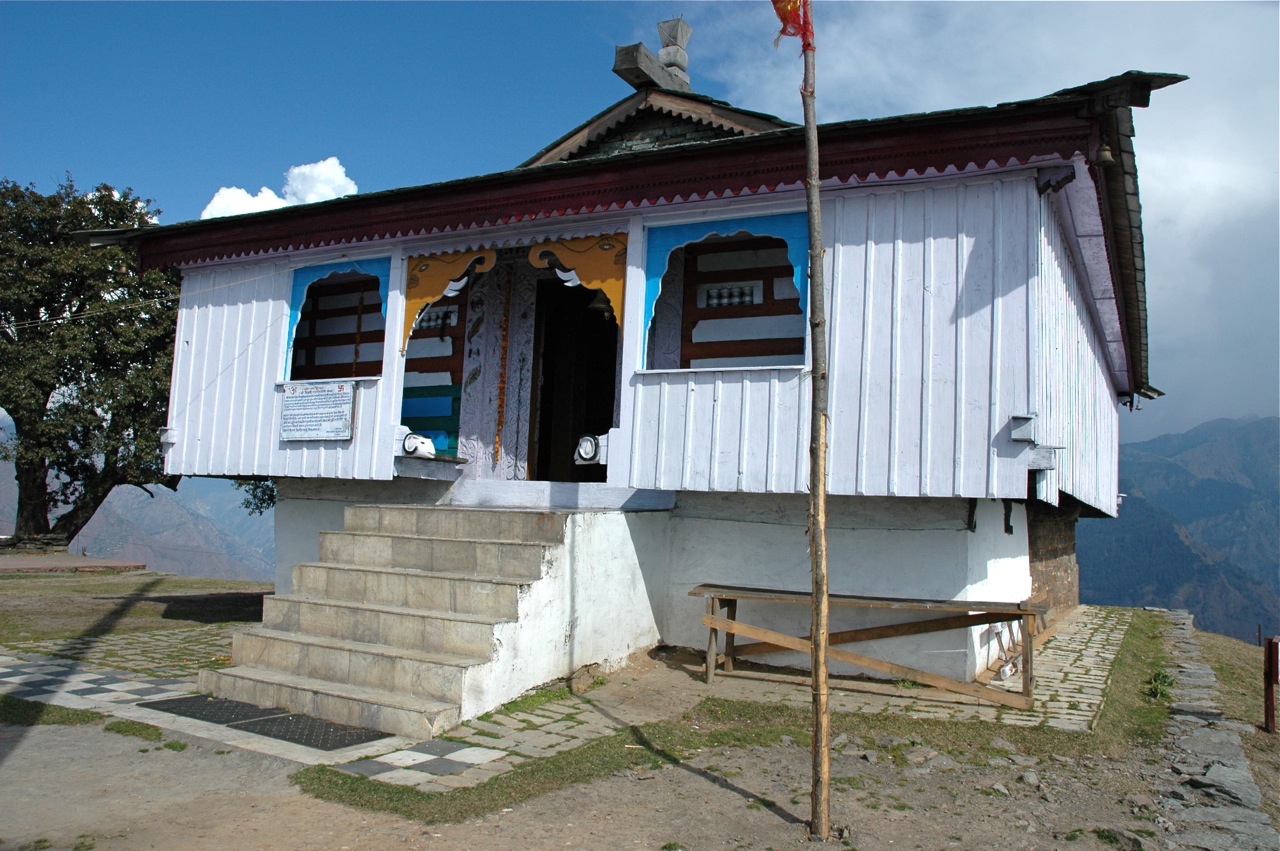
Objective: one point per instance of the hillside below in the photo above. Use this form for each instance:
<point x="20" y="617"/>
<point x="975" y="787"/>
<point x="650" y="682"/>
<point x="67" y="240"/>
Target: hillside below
<point x="1199" y="528"/>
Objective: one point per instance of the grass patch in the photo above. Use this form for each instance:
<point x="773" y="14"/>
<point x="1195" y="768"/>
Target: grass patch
<point x="137" y="729"/>
<point x="30" y="713"/>
<point x="1238" y="666"/>
<point x="175" y="745"/>
<point x="42" y="607"/>
<point x="1160" y="685"/>
<point x="535" y="700"/>
<point x="1129" y="716"/>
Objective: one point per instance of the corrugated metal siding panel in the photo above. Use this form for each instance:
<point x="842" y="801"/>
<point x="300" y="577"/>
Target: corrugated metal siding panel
<point x="1075" y="399"/>
<point x="224" y="408"/>
<point x="722" y="430"/>
<point x="929" y="339"/>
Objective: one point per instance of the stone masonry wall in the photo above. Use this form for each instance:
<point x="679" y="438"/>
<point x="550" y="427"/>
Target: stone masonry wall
<point x="1051" y="534"/>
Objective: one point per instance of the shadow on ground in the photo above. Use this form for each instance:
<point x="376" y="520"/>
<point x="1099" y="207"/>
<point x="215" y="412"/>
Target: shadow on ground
<point x="219" y="607"/>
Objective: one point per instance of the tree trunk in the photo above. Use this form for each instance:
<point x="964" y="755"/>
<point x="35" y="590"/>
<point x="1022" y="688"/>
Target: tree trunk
<point x="33" y="499"/>
<point x="96" y="491"/>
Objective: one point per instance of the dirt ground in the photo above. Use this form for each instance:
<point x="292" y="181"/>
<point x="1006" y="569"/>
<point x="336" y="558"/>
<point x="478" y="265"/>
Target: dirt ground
<point x="82" y="787"/>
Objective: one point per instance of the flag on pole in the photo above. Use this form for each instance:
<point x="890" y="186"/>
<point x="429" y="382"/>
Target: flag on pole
<point x="795" y="20"/>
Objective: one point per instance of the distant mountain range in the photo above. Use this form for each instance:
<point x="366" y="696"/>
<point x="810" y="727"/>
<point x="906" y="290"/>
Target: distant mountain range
<point x="1199" y="528"/>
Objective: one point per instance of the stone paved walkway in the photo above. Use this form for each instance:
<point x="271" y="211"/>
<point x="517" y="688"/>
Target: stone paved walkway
<point x="173" y="653"/>
<point x="1212" y="801"/>
<point x="1072" y="669"/>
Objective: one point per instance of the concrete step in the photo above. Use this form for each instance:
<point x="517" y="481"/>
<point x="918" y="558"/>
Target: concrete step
<point x="454" y="555"/>
<point x="393" y="626"/>
<point x="444" y="521"/>
<point x="359" y="706"/>
<point x="495" y="596"/>
<point x="411" y="672"/>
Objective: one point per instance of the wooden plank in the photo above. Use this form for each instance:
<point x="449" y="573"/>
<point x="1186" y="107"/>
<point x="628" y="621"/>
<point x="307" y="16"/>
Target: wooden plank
<point x="318" y="313"/>
<point x="741" y="274"/>
<point x="776" y="596"/>
<point x="451" y="364"/>
<point x="362" y="369"/>
<point x="1004" y="698"/>
<point x="772" y="347"/>
<point x="893" y="630"/>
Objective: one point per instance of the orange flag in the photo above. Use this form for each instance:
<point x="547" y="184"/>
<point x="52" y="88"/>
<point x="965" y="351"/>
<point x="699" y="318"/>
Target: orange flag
<point x="795" y="20"/>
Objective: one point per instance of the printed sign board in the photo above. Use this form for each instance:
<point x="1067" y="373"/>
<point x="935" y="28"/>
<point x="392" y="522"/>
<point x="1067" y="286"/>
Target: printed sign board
<point x="317" y="411"/>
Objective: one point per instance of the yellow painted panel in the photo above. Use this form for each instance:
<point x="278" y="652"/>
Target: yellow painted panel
<point x="432" y="276"/>
<point x="595" y="262"/>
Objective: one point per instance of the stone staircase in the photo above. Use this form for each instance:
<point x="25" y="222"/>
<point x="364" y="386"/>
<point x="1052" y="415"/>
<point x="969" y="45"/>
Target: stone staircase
<point x="385" y="629"/>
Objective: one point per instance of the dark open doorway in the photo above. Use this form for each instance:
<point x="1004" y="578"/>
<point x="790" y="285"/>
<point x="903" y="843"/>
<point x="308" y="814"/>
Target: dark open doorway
<point x="576" y="349"/>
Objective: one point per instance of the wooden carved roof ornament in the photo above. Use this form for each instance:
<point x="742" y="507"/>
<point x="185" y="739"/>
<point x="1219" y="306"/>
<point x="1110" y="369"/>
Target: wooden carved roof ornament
<point x="594" y="262"/>
<point x="432" y="277"/>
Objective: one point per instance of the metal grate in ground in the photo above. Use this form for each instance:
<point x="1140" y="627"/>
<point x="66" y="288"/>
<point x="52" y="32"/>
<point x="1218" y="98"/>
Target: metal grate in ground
<point x="215" y="710"/>
<point x="309" y="732"/>
<point x="273" y="723"/>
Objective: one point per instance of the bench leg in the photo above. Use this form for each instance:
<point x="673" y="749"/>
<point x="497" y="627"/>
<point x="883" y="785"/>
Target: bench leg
<point x="712" y="642"/>
<point x="1028" y="653"/>
<point x="730" y="608"/>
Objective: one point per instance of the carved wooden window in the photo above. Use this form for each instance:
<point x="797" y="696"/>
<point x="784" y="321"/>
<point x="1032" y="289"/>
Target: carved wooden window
<point x="740" y="305"/>
<point x="340" y="329"/>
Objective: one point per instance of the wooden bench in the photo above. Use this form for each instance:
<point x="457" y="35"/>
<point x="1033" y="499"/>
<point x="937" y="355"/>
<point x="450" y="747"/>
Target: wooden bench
<point x="956" y="614"/>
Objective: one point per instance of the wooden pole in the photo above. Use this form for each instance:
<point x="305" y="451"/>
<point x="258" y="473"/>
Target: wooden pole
<point x="820" y="822"/>
<point x="1270" y="678"/>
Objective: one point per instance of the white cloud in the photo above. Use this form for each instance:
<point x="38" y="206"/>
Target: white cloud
<point x="304" y="184"/>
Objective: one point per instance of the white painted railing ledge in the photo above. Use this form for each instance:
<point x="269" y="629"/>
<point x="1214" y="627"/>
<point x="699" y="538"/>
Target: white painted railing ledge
<point x="364" y="379"/>
<point x="723" y="369"/>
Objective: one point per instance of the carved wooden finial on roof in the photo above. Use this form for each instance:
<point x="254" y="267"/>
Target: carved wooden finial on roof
<point x="668" y="70"/>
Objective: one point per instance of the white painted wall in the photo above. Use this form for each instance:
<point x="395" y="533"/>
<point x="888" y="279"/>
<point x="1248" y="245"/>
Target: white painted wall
<point x="620" y="582"/>
<point x="591" y="606"/>
<point x="877" y="547"/>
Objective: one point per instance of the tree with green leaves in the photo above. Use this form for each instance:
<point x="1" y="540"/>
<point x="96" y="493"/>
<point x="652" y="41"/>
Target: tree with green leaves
<point x="86" y="345"/>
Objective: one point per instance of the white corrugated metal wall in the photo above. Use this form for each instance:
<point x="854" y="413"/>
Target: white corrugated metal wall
<point x="1074" y="397"/>
<point x="928" y="360"/>
<point x="229" y="361"/>
<point x="929" y="338"/>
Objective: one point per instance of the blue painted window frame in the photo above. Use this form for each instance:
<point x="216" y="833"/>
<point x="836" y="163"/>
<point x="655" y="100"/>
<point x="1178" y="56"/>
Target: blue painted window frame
<point x="660" y="241"/>
<point x="377" y="267"/>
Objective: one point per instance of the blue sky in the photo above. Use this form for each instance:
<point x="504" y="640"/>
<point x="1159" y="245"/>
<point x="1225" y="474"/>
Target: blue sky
<point x="179" y="100"/>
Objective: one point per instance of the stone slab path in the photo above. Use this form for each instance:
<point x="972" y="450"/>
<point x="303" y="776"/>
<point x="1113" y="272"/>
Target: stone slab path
<point x="1211" y="800"/>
